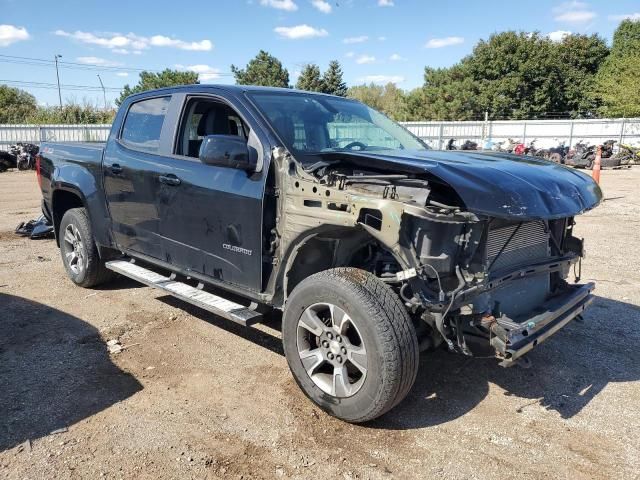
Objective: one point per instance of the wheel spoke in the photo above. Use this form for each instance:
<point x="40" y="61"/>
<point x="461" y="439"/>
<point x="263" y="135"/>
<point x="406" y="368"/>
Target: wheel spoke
<point x="358" y="358"/>
<point x="341" y="387"/>
<point x="311" y="360"/>
<point x="68" y="236"/>
<point x="312" y="322"/>
<point x="339" y="318"/>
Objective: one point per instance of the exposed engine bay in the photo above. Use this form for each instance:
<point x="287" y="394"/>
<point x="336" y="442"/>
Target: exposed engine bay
<point x="463" y="276"/>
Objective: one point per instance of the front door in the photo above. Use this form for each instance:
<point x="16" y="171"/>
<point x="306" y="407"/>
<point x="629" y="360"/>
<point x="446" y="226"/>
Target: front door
<point x="211" y="217"/>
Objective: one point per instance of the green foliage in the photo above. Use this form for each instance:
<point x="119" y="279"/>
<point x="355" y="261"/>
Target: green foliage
<point x="333" y="81"/>
<point x="578" y="57"/>
<point x="71" y="114"/>
<point x="514" y="75"/>
<point x="310" y="79"/>
<point x="388" y="99"/>
<point x="152" y="80"/>
<point x="617" y="83"/>
<point x="15" y="104"/>
<point x="626" y="38"/>
<point x="264" y="69"/>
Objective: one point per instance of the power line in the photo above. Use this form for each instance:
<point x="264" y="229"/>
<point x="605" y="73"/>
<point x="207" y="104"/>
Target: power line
<point x="55" y="86"/>
<point x="42" y="62"/>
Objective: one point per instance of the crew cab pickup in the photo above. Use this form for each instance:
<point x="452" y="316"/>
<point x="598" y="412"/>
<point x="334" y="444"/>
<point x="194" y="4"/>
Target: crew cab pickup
<point x="244" y="200"/>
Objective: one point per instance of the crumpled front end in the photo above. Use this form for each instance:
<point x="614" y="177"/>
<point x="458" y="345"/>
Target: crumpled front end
<point x="497" y="281"/>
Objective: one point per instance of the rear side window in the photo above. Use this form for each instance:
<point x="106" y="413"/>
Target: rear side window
<point x="143" y="124"/>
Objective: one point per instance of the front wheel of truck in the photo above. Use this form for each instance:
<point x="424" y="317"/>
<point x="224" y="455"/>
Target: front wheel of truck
<point x="79" y="252"/>
<point x="350" y="343"/>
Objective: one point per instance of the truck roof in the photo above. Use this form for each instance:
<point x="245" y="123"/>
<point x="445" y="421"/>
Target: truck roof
<point x="199" y="87"/>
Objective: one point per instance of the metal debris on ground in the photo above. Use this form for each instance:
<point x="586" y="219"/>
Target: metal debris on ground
<point x="38" y="228"/>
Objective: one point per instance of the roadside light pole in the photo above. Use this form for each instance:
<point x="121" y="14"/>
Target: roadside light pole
<point x="56" y="57"/>
<point x="104" y="93"/>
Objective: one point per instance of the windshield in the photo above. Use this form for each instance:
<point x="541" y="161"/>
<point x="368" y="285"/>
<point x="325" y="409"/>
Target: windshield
<point x="311" y="125"/>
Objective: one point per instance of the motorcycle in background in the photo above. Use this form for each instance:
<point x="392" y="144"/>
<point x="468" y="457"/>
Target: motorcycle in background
<point x="628" y="155"/>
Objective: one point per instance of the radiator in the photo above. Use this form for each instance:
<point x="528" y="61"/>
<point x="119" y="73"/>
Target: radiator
<point x="529" y="244"/>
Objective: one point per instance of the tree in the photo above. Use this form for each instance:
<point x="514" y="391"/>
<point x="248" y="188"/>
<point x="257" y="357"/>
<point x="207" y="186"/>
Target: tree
<point x="264" y="69"/>
<point x="152" y="80"/>
<point x="578" y="59"/>
<point x="310" y="79"/>
<point x="514" y="75"/>
<point x="15" y="105"/>
<point x="617" y="83"/>
<point x="332" y="79"/>
<point x="388" y="99"/>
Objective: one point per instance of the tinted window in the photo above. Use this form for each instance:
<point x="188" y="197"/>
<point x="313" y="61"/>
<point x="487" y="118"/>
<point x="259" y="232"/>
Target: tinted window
<point x="143" y="124"/>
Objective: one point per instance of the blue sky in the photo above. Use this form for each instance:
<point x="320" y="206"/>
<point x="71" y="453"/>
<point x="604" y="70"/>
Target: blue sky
<point x="374" y="40"/>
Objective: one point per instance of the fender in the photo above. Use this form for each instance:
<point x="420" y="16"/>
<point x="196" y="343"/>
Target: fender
<point x="82" y="183"/>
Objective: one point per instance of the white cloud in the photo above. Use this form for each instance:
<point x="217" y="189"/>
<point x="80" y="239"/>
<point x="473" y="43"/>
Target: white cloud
<point x="288" y="5"/>
<point x="444" y="42"/>
<point x="10" y="34"/>
<point x="322" y="5"/>
<point x="381" y="79"/>
<point x="558" y="35"/>
<point x="350" y="54"/>
<point x="364" y="59"/>
<point x="360" y="39"/>
<point x="97" y="61"/>
<point x="397" y="58"/>
<point x="385" y="3"/>
<point x="162" y="41"/>
<point x="627" y="16"/>
<point x="122" y="74"/>
<point x="300" y="31"/>
<point x="132" y="43"/>
<point x="382" y="39"/>
<point x="574" y="12"/>
<point x="205" y="72"/>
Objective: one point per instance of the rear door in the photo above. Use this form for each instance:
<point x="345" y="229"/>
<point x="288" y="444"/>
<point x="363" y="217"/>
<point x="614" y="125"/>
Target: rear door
<point x="133" y="163"/>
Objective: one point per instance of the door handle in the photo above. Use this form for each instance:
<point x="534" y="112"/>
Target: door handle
<point x="115" y="168"/>
<point x="169" y="179"/>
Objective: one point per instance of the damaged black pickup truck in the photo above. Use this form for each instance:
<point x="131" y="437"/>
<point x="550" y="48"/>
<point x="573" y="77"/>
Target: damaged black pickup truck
<point x="242" y="200"/>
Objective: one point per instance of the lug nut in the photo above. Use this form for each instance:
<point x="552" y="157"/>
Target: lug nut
<point x="330" y="355"/>
<point x="343" y="350"/>
<point x="339" y="359"/>
<point x="325" y="344"/>
<point x="338" y="338"/>
<point x="330" y="335"/>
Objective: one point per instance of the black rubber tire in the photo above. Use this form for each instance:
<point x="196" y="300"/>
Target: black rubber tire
<point x="609" y="162"/>
<point x="387" y="332"/>
<point x="94" y="273"/>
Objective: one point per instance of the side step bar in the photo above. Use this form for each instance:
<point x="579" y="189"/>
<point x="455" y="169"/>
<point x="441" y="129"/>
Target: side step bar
<point x="208" y="301"/>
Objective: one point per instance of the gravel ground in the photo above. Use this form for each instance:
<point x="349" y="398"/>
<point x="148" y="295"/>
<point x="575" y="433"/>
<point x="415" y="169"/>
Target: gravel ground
<point x="193" y="396"/>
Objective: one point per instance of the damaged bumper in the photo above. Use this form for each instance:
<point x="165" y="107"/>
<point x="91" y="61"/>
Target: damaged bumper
<point x="513" y="338"/>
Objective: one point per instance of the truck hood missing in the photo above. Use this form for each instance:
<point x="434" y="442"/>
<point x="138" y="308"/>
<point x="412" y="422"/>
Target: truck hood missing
<point x="494" y="184"/>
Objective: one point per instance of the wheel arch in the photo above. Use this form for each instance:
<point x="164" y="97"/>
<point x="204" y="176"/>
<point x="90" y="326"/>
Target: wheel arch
<point x="65" y="198"/>
<point x="321" y="249"/>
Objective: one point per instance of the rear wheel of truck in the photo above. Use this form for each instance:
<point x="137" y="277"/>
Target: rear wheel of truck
<point x="350" y="343"/>
<point x="79" y="252"/>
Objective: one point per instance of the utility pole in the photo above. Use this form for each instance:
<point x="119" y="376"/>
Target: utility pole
<point x="104" y="94"/>
<point x="56" y="57"/>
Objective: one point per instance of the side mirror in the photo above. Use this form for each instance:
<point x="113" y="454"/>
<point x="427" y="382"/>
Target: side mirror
<point x="227" y="151"/>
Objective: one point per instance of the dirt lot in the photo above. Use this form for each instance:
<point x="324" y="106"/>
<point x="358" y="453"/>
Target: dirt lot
<point x="194" y="396"/>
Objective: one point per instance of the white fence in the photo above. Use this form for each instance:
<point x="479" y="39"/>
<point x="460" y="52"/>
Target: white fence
<point x="546" y="133"/>
<point x="10" y="134"/>
<point x="436" y="134"/>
